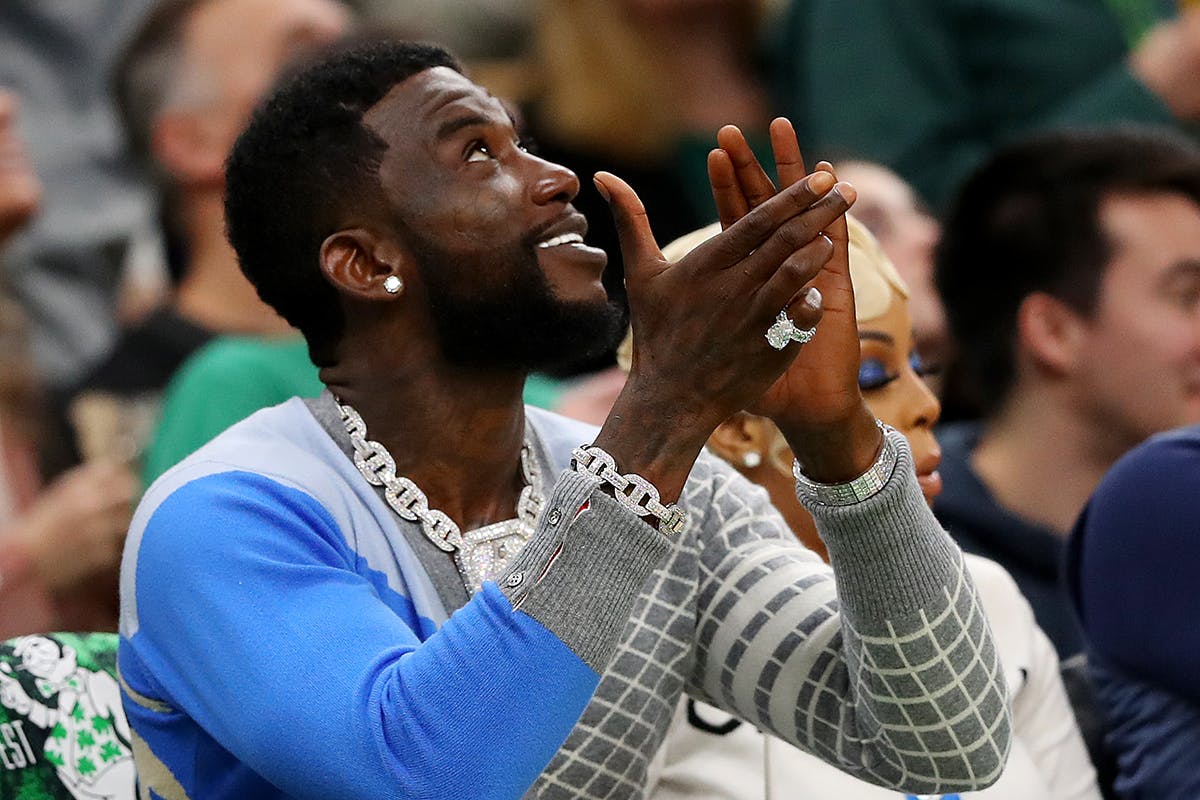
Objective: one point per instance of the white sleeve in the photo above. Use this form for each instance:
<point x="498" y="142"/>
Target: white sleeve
<point x="1044" y="727"/>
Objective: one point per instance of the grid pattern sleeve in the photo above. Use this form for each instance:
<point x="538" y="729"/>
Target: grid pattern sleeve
<point x="580" y="578"/>
<point x="884" y="666"/>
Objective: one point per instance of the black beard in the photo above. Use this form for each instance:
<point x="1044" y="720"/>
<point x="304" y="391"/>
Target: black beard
<point x="516" y="324"/>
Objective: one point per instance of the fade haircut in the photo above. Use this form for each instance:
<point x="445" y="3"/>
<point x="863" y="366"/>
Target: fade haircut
<point x="305" y="159"/>
<point x="1028" y="221"/>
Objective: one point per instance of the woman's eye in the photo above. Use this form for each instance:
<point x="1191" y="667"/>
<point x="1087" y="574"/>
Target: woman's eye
<point x="920" y="367"/>
<point x="478" y="151"/>
<point x="872" y="374"/>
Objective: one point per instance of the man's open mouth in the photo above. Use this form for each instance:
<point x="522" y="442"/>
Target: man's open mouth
<point x="566" y="238"/>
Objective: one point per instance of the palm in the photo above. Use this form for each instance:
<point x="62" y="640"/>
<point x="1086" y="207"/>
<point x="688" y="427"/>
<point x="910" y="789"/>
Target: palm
<point x="821" y="385"/>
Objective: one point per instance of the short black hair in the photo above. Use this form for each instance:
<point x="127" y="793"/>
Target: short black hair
<point x="1028" y="221"/>
<point x="304" y="160"/>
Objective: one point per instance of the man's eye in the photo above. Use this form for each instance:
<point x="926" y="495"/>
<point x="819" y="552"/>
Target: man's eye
<point x="478" y="151"/>
<point x="1186" y="297"/>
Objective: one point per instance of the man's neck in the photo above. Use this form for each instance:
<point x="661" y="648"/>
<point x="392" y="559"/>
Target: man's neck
<point x="456" y="433"/>
<point x="214" y="293"/>
<point x="1041" y="460"/>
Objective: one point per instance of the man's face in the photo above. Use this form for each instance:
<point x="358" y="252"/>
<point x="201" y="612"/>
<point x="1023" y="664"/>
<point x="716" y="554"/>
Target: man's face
<point x="1141" y="366"/>
<point x="499" y="246"/>
<point x="235" y="50"/>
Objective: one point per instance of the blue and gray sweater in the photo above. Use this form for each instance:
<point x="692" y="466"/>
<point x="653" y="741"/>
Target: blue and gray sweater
<point x="285" y="635"/>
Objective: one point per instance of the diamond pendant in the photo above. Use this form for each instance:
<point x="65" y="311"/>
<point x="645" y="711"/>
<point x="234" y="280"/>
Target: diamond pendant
<point x="486" y="552"/>
<point x="479" y="555"/>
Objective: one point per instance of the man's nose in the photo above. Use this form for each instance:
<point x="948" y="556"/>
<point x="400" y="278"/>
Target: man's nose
<point x="553" y="183"/>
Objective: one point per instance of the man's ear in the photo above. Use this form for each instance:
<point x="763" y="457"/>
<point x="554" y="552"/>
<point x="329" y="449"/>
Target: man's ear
<point x="184" y="146"/>
<point x="365" y="265"/>
<point x="1051" y="332"/>
<point x="743" y="440"/>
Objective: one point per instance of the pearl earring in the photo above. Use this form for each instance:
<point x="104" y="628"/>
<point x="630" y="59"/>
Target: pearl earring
<point x="392" y="284"/>
<point x="751" y="459"/>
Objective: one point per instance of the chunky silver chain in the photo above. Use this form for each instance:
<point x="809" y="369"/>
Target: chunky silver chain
<point x="632" y="491"/>
<point x="409" y="502"/>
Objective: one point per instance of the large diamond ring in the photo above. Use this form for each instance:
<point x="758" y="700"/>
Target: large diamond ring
<point x="783" y="330"/>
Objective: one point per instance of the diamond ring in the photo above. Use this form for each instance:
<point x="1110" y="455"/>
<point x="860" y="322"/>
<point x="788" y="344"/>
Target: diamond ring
<point x="783" y="330"/>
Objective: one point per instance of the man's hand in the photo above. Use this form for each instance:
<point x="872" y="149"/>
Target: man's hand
<point x="700" y="353"/>
<point x="816" y="403"/>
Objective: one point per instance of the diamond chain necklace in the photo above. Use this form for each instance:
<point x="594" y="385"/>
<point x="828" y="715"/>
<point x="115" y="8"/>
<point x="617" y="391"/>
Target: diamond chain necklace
<point x="479" y="555"/>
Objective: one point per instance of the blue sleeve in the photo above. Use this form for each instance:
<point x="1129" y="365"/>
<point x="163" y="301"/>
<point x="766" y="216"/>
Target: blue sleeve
<point x="1135" y="561"/>
<point x="252" y="619"/>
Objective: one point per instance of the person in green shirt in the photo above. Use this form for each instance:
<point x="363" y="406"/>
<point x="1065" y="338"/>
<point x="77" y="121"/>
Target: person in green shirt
<point x="233" y="376"/>
<point x="930" y="88"/>
<point x="224" y="382"/>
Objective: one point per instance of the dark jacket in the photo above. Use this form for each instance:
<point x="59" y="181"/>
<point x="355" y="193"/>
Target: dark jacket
<point x="1032" y="554"/>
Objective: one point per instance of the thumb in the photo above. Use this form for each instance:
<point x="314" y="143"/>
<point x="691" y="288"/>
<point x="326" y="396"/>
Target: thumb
<point x="638" y="248"/>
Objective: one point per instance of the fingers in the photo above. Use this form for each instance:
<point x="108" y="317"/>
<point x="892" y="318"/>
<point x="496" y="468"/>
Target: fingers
<point x="726" y="191"/>
<point x="638" y="248"/>
<point x="757" y="187"/>
<point x="789" y="163"/>
<point x="806" y="308"/>
<point x="798" y="231"/>
<point x="837" y="230"/>
<point x="752" y="230"/>
<point x="738" y="181"/>
<point x="791" y="279"/>
<point x="753" y="185"/>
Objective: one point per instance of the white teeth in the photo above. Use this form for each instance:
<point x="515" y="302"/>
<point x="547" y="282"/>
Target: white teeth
<point x="566" y="238"/>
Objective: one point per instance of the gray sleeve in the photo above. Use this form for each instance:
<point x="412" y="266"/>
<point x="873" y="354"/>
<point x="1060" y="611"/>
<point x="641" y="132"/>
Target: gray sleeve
<point x="883" y="666"/>
<point x="582" y="571"/>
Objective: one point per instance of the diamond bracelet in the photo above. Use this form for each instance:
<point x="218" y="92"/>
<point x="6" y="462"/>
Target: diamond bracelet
<point x="631" y="491"/>
<point x="861" y="488"/>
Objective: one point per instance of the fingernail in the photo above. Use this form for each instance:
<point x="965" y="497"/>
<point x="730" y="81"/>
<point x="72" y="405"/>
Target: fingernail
<point x="812" y="298"/>
<point x="602" y="189"/>
<point x="845" y="190"/>
<point x="821" y="182"/>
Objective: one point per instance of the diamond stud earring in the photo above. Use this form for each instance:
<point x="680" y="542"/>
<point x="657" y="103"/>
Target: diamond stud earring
<point x="751" y="459"/>
<point x="392" y="284"/>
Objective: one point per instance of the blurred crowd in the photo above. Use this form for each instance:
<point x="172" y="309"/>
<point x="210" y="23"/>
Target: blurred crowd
<point x="1028" y="177"/>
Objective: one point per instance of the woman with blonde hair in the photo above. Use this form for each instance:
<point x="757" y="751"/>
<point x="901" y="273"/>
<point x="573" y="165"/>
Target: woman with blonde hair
<point x="708" y="753"/>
